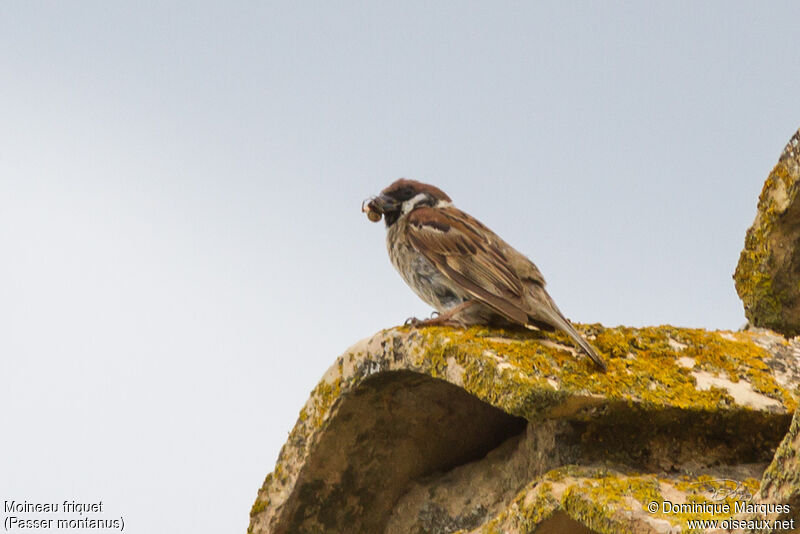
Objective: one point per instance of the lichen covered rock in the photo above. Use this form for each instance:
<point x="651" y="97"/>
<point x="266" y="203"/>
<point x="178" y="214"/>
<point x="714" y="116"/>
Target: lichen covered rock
<point x="781" y="485"/>
<point x="769" y="266"/>
<point x="782" y="478"/>
<point x="487" y="431"/>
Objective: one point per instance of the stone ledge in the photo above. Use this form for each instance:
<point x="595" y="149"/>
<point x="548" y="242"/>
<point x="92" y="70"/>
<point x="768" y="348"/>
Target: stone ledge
<point x="484" y="414"/>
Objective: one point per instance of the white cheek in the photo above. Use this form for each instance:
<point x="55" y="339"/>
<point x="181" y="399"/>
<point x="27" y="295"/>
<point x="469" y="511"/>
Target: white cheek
<point x="411" y="203"/>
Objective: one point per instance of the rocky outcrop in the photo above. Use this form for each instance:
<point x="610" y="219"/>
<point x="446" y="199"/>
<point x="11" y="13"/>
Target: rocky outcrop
<point x="440" y="430"/>
<point x="769" y="266"/>
<point x="779" y="494"/>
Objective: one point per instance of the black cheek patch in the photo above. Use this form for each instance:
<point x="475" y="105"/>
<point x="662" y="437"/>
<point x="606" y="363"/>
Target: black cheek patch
<point x="390" y="217"/>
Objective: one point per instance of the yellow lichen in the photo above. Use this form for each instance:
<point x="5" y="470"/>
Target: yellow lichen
<point x="642" y="366"/>
<point x="324" y="396"/>
<point x="604" y="500"/>
<point x="258" y="507"/>
<point x="530" y="374"/>
<point x="765" y="298"/>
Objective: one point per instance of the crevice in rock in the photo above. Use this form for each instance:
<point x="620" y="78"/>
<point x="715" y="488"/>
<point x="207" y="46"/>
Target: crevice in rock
<point x="407" y="453"/>
<point x="394" y="428"/>
<point x="625" y="439"/>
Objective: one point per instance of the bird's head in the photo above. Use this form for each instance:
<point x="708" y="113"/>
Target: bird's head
<point x="402" y="197"/>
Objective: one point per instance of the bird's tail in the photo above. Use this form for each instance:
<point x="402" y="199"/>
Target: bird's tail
<point x="560" y="322"/>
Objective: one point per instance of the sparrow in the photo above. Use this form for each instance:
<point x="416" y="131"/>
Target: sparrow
<point x="460" y="267"/>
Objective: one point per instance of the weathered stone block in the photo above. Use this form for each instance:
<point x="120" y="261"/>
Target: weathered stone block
<point x="440" y="430"/>
<point x="768" y="274"/>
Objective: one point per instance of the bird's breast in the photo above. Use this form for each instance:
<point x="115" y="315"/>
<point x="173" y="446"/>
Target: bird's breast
<point x="427" y="281"/>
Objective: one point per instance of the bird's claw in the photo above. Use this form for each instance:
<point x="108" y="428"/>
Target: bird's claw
<point x="412" y="321"/>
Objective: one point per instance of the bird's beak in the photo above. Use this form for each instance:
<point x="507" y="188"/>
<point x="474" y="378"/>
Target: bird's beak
<point x="375" y="207"/>
<point x="381" y="204"/>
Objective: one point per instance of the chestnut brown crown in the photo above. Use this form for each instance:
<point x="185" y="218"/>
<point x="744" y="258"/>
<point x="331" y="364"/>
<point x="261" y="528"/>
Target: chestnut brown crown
<point x="402" y="196"/>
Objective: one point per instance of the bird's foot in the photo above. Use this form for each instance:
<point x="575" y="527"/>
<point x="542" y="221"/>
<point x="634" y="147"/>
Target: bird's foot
<point x="433" y="321"/>
<point x="412" y="321"/>
<point x="437" y="320"/>
<point x="452" y="317"/>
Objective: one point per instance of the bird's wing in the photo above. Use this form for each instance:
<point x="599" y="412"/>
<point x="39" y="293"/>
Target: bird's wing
<point x="472" y="256"/>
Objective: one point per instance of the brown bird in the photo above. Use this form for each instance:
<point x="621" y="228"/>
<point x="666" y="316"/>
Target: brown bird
<point x="460" y="267"/>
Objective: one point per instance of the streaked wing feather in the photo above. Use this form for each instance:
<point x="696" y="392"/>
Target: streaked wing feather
<point x="451" y="240"/>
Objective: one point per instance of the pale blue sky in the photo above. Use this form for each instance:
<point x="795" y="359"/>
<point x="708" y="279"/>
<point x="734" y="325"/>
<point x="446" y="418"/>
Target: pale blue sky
<point x="180" y="187"/>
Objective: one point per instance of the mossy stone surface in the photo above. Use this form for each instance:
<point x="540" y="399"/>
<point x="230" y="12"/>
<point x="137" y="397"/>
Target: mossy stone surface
<point x="781" y="483"/>
<point x="441" y="430"/>
<point x="768" y="274"/>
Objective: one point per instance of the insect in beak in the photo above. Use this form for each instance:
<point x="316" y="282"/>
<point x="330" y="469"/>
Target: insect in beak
<point x="372" y="207"/>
